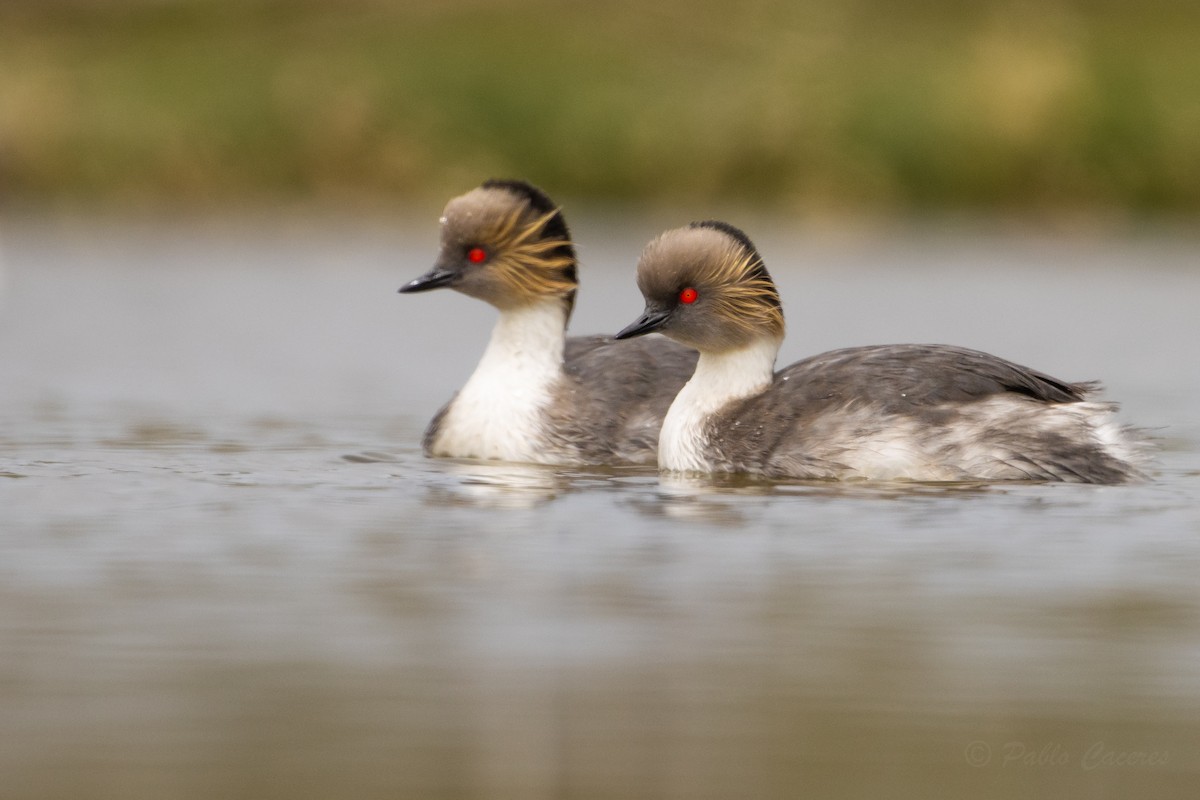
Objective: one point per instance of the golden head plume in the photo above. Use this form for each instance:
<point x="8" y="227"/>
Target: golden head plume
<point x="528" y="259"/>
<point x="736" y="300"/>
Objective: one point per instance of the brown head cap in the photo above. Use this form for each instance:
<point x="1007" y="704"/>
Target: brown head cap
<point x="504" y="242"/>
<point x="706" y="286"/>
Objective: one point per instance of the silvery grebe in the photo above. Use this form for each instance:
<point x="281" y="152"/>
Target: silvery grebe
<point x="536" y="395"/>
<point x="911" y="411"/>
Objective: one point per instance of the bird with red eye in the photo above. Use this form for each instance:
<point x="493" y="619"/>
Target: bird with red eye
<point x="689" y="296"/>
<point x="477" y="255"/>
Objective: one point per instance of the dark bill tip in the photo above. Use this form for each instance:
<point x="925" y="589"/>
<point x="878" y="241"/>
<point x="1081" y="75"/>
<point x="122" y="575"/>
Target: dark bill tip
<point x="436" y="278"/>
<point x="649" y="322"/>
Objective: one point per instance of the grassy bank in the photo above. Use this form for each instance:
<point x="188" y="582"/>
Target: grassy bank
<point x="823" y="105"/>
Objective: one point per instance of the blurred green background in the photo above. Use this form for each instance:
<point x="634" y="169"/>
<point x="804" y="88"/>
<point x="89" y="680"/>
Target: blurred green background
<point x="804" y="106"/>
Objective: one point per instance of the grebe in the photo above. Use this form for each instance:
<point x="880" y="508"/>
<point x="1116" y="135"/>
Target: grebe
<point x="536" y="395"/>
<point x="922" y="412"/>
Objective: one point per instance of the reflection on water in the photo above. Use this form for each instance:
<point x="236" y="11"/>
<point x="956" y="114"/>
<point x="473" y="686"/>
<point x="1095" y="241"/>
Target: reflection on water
<point x="227" y="570"/>
<point x="498" y="485"/>
<point x="706" y="498"/>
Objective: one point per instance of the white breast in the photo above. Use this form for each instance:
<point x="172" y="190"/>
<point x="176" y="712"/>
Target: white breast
<point x="500" y="412"/>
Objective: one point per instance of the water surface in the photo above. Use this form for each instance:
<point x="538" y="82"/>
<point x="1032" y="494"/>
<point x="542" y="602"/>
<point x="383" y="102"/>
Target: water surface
<point x="226" y="569"/>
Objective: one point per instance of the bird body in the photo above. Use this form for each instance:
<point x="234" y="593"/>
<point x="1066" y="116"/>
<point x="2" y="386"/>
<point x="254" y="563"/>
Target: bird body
<point x="536" y="395"/>
<point x="922" y="412"/>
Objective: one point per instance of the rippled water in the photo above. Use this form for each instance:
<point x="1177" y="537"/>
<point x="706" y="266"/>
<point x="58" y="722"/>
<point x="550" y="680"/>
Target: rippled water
<point x="227" y="571"/>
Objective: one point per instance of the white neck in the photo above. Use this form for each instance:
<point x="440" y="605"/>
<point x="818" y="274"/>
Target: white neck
<point x="498" y="412"/>
<point x="719" y="379"/>
<point x="528" y="339"/>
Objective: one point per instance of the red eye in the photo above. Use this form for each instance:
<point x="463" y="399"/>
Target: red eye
<point x="688" y="296"/>
<point x="476" y="255"/>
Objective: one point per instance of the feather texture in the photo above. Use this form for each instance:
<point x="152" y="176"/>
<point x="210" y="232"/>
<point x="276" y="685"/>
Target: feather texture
<point x="914" y="411"/>
<point x="536" y="395"/>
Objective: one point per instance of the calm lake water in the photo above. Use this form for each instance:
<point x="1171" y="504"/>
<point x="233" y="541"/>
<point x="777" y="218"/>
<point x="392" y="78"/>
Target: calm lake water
<point x="227" y="571"/>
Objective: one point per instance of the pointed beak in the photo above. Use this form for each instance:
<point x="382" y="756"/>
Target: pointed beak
<point x="650" y="321"/>
<point x="436" y="278"/>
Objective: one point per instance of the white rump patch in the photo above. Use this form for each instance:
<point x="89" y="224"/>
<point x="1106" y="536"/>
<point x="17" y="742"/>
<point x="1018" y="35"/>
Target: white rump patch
<point x="1000" y="438"/>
